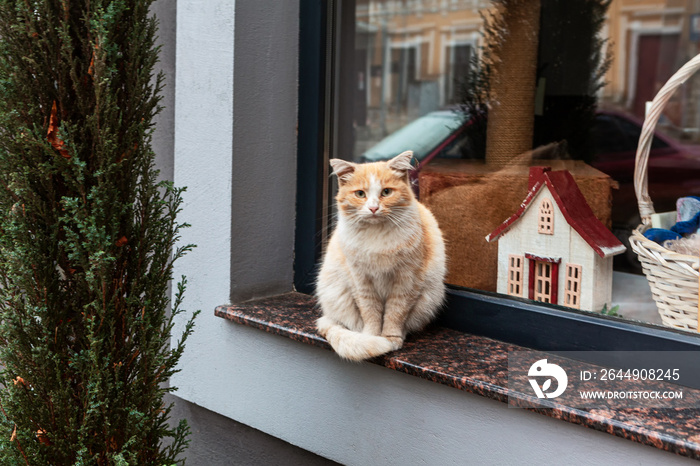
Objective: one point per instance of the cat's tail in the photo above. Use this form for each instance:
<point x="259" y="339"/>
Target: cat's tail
<point x="352" y="345"/>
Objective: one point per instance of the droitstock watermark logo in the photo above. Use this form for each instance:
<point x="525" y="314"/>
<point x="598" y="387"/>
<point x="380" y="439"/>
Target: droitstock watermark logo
<point x="541" y="369"/>
<point x="607" y="379"/>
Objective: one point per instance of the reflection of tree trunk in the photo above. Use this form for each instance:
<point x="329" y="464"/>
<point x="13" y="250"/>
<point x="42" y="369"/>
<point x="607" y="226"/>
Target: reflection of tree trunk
<point x="511" y="118"/>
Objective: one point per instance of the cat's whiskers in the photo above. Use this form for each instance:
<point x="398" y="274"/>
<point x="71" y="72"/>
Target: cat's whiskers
<point x="395" y="221"/>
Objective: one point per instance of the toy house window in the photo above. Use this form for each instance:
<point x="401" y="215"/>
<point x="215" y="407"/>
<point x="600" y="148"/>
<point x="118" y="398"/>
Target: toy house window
<point x="543" y="282"/>
<point x="515" y="275"/>
<point x="545" y="224"/>
<point x="572" y="292"/>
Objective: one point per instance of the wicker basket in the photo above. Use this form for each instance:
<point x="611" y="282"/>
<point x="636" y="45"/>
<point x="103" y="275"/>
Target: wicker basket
<point x="672" y="277"/>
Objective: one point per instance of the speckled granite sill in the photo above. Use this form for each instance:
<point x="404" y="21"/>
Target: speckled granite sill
<point x="477" y="365"/>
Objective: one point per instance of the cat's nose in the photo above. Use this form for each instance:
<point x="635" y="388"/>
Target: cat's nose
<point x="374" y="209"/>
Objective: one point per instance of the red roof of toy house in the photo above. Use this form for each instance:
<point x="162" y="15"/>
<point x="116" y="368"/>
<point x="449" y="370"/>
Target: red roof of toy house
<point x="572" y="205"/>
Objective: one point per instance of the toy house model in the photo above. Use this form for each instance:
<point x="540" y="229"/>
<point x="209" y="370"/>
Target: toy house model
<point x="554" y="249"/>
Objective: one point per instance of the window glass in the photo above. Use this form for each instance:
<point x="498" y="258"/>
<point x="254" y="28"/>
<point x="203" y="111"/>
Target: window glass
<point x="482" y="91"/>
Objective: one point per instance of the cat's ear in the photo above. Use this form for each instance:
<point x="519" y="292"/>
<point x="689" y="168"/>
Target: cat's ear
<point x="342" y="169"/>
<point x="402" y="162"/>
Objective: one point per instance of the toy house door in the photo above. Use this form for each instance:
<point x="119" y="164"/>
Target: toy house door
<point x="543" y="283"/>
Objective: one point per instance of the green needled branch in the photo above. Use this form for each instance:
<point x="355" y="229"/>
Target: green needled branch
<point x="88" y="236"/>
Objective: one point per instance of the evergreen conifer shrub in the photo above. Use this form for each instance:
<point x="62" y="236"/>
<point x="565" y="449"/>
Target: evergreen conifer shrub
<point x="87" y="239"/>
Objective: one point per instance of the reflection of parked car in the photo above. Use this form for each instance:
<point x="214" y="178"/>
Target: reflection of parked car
<point x="674" y="169"/>
<point x="427" y="136"/>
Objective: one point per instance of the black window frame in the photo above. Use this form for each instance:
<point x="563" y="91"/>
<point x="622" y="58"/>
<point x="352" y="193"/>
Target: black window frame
<point x="514" y="320"/>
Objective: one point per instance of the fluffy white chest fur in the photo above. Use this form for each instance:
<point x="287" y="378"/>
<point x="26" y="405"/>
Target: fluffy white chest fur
<point x="377" y="245"/>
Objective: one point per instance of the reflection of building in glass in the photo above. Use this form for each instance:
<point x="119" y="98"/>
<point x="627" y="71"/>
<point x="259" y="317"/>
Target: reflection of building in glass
<point x="414" y="53"/>
<point x="410" y="59"/>
<point x="650" y="41"/>
<point x="412" y="56"/>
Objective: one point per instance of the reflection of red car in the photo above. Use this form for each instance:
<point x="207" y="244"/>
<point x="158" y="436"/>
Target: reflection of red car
<point x="674" y="169"/>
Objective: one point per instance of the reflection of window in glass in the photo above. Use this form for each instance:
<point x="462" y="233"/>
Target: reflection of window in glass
<point x="403" y="74"/>
<point x="545" y="223"/>
<point x="515" y="275"/>
<point x="458" y="57"/>
<point x="572" y="293"/>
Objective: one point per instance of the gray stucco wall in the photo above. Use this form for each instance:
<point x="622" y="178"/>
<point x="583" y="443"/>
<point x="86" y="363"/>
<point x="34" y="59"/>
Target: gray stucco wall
<point x="234" y="146"/>
<point x="264" y="147"/>
<point x="216" y="440"/>
<point x="164" y="134"/>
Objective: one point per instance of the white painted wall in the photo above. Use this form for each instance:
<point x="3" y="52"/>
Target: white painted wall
<point x="352" y="413"/>
<point x="203" y="163"/>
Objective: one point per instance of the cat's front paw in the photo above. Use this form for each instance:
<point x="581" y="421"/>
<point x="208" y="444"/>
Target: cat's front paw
<point x="396" y="341"/>
<point x="323" y="324"/>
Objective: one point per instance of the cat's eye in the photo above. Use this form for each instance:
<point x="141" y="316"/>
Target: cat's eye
<point x="387" y="191"/>
<point x="360" y="193"/>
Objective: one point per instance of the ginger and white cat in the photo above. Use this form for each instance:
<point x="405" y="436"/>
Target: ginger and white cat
<point x="382" y="275"/>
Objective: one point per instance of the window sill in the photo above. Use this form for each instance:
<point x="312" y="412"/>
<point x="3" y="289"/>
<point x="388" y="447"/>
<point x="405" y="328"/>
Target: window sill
<point x="477" y="365"/>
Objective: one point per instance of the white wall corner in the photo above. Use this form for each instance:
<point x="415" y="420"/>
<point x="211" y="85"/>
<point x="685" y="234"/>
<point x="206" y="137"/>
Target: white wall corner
<point x="203" y="152"/>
